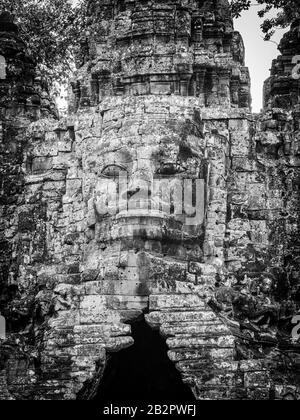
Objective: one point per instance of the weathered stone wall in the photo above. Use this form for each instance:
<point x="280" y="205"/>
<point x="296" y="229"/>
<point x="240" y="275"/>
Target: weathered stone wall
<point x="23" y="99"/>
<point x="163" y="93"/>
<point x="262" y="246"/>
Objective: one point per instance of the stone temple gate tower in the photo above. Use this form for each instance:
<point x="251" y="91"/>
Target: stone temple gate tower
<point x="89" y="250"/>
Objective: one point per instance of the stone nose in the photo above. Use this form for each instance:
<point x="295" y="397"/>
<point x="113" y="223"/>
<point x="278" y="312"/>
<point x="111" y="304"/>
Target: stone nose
<point x="138" y="185"/>
<point x="138" y="191"/>
<point x="141" y="179"/>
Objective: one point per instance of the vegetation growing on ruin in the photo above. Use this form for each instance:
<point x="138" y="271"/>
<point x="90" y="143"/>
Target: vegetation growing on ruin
<point x="285" y="12"/>
<point x="57" y="31"/>
<point x="53" y="31"/>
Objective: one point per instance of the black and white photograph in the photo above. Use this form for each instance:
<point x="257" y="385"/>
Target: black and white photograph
<point x="149" y="203"/>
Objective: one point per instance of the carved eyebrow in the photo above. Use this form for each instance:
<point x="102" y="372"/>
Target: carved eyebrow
<point x="116" y="165"/>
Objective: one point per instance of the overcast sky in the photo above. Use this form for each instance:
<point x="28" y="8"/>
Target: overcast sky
<point x="259" y="53"/>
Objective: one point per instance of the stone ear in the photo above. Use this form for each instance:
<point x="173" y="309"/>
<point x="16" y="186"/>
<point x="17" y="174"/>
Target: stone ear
<point x="2" y="328"/>
<point x="2" y="68"/>
<point x="296" y="69"/>
<point x="91" y="218"/>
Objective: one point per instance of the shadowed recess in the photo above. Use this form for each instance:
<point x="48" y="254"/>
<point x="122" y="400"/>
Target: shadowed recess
<point x="143" y="372"/>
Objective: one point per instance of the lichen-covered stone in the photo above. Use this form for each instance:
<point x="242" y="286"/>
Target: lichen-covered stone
<point x="163" y="93"/>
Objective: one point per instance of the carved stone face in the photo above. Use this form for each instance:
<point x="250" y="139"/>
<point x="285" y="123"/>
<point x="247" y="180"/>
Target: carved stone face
<point x="147" y="191"/>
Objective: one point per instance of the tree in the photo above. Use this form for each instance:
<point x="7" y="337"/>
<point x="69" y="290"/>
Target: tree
<point x="287" y="12"/>
<point x="56" y="31"/>
<point x="53" y="31"/>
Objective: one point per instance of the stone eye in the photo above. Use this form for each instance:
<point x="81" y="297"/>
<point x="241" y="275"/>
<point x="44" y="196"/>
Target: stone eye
<point x="168" y="169"/>
<point x="113" y="171"/>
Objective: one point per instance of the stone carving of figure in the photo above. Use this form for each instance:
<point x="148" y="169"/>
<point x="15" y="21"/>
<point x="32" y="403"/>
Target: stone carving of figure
<point x="251" y="305"/>
<point x="137" y="189"/>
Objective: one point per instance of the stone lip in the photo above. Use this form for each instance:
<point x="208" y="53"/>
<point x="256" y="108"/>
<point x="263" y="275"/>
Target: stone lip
<point x="142" y="213"/>
<point x="151" y="227"/>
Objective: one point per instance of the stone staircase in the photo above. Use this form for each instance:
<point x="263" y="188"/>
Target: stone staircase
<point x="203" y="349"/>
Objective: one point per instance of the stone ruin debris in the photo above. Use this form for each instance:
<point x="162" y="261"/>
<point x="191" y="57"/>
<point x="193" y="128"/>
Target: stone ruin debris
<point x="163" y="92"/>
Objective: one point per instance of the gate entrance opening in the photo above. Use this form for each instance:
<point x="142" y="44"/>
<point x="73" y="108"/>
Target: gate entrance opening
<point x="143" y="372"/>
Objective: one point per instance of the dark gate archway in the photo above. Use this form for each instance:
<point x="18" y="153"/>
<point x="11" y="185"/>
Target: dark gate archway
<point x="143" y="373"/>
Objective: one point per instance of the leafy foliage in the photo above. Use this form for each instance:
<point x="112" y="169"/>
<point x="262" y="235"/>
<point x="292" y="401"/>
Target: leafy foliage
<point x="53" y="30"/>
<point x="287" y="11"/>
<point x="57" y="31"/>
